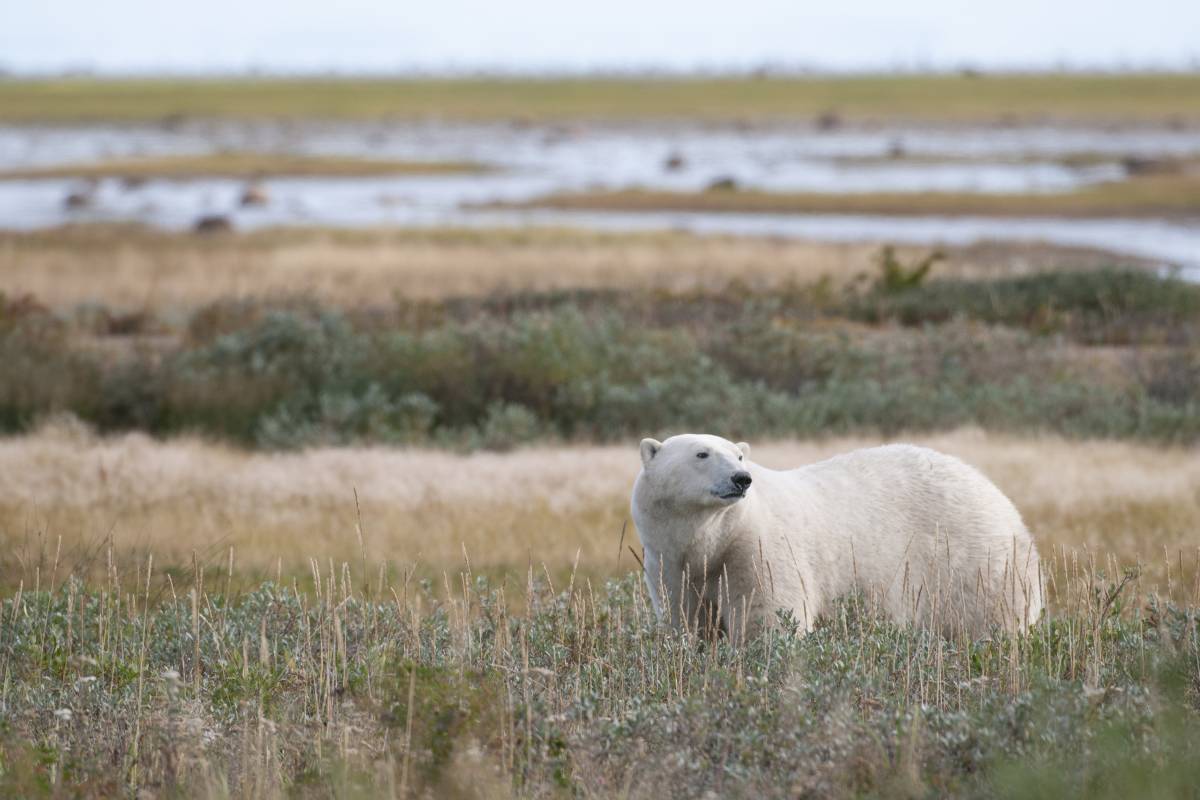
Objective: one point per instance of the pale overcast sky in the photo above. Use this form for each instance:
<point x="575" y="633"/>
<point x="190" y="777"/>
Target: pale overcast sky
<point x="532" y="35"/>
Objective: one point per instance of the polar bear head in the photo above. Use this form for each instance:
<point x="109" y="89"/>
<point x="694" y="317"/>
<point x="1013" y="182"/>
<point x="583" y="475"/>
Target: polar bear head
<point x="695" y="470"/>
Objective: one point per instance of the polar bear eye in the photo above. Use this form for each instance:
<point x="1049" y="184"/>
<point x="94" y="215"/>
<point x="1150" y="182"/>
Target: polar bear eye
<point x="740" y="458"/>
<point x="701" y="455"/>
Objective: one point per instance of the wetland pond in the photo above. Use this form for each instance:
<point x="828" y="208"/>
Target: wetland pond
<point x="523" y="162"/>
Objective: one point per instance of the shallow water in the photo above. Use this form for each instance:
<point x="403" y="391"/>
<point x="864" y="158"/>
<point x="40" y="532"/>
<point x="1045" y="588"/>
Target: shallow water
<point x="798" y="158"/>
<point x="530" y="161"/>
<point x="1175" y="246"/>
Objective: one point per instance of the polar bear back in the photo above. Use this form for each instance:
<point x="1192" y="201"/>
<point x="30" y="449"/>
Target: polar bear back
<point x="922" y="533"/>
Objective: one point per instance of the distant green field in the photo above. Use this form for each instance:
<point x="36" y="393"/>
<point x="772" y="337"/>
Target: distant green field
<point x="950" y="98"/>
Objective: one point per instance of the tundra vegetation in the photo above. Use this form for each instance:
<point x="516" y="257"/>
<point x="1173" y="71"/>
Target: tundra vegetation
<point x="228" y="164"/>
<point x="128" y="268"/>
<point x="258" y="600"/>
<point x="1107" y="352"/>
<point x="343" y="513"/>
<point x="1172" y="194"/>
<point x="967" y="97"/>
<point x="373" y="684"/>
<point x="222" y="578"/>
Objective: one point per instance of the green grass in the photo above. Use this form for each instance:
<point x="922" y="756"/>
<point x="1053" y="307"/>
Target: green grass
<point x="240" y="165"/>
<point x="465" y="688"/>
<point x="1149" y="196"/>
<point x="1150" y="97"/>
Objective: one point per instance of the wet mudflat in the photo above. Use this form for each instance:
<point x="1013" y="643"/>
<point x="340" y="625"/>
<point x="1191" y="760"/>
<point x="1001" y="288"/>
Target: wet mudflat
<point x="525" y="162"/>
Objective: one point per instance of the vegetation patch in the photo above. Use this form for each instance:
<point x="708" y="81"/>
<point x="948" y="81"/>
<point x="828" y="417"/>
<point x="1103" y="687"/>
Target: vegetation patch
<point x="504" y="370"/>
<point x="360" y="687"/>
<point x="131" y="268"/>
<point x="1176" y="196"/>
<point x="240" y="165"/>
<point x="969" y="97"/>
<point x="1100" y="307"/>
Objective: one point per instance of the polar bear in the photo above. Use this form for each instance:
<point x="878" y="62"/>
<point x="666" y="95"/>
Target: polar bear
<point x="728" y="542"/>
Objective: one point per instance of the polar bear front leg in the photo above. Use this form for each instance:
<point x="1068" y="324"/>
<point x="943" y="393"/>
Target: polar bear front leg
<point x="679" y="596"/>
<point x="664" y="583"/>
<point x="652" y="572"/>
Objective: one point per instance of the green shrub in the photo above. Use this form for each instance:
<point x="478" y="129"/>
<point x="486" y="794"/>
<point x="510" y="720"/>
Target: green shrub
<point x="895" y="277"/>
<point x="346" y="418"/>
<point x="302" y="376"/>
<point x="1110" y="306"/>
<point x="508" y="425"/>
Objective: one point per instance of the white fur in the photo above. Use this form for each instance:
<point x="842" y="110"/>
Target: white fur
<point x="927" y="537"/>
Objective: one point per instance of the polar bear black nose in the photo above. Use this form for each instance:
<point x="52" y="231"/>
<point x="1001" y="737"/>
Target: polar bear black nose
<point x="742" y="479"/>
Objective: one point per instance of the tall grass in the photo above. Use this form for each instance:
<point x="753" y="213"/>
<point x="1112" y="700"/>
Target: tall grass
<point x="376" y="684"/>
<point x="65" y="491"/>
<point x="130" y="269"/>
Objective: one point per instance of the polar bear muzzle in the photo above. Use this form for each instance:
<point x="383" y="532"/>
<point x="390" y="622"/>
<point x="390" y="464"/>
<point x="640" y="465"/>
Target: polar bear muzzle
<point x="740" y="481"/>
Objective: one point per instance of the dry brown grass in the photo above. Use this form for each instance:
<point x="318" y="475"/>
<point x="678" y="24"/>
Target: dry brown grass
<point x="543" y="504"/>
<point x="134" y="268"/>
<point x="1174" y="196"/>
<point x="1153" y="97"/>
<point x="240" y="165"/>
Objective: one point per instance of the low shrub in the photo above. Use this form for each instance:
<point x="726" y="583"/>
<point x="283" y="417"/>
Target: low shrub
<point x="1104" y="306"/>
<point x="500" y="376"/>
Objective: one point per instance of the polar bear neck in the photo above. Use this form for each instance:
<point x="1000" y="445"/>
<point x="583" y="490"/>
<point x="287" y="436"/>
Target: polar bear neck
<point x="695" y="537"/>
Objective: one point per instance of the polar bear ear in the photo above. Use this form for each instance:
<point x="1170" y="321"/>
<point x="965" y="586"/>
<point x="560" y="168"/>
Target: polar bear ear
<point x="745" y="448"/>
<point x="650" y="448"/>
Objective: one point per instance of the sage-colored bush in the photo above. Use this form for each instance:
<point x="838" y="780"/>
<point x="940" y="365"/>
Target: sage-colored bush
<point x="574" y="366"/>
